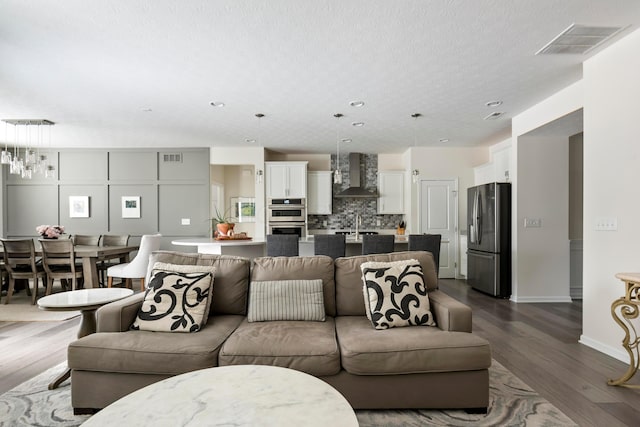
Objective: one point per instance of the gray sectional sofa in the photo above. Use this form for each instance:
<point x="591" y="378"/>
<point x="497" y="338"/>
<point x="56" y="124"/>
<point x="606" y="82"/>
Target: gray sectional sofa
<point x="409" y="367"/>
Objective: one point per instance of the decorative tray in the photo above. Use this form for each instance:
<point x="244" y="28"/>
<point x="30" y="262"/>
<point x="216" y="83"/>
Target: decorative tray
<point x="233" y="238"/>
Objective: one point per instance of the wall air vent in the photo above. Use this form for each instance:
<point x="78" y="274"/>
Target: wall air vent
<point x="578" y="40"/>
<point x="172" y="158"/>
<point x="494" y="115"/>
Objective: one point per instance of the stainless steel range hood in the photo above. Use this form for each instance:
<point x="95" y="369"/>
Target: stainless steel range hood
<point x="355" y="190"/>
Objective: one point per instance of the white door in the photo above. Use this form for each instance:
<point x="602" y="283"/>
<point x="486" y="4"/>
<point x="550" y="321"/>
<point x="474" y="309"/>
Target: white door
<point x="438" y="213"/>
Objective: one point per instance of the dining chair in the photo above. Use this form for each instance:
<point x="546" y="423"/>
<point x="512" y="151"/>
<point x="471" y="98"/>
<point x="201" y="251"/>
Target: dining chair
<point x="111" y="240"/>
<point x="59" y="261"/>
<point x="19" y="257"/>
<point x="137" y="268"/>
<point x="428" y="243"/>
<point x="282" y="245"/>
<point x="333" y="245"/>
<point x="86" y="240"/>
<point x="377" y="243"/>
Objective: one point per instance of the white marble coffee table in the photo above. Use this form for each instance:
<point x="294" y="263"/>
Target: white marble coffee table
<point x="242" y="395"/>
<point x="87" y="301"/>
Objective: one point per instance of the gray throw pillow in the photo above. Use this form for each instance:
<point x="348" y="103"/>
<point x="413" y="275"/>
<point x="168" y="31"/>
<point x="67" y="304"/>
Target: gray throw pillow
<point x="395" y="294"/>
<point x="286" y="300"/>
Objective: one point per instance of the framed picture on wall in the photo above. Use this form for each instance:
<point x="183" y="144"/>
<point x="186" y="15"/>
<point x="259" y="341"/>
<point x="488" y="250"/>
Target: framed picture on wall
<point x="130" y="206"/>
<point x="244" y="208"/>
<point x="78" y="206"/>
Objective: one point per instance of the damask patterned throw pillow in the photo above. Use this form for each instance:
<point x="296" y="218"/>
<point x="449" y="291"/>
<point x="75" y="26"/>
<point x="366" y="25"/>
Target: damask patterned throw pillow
<point x="177" y="299"/>
<point x="395" y="294"/>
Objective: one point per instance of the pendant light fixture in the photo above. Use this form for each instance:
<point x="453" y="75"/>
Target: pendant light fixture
<point x="33" y="161"/>
<point x="5" y="157"/>
<point x="337" y="174"/>
<point x="415" y="174"/>
<point x="259" y="172"/>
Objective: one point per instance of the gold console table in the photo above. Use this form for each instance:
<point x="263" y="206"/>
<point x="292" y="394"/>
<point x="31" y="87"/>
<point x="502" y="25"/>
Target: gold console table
<point x="623" y="310"/>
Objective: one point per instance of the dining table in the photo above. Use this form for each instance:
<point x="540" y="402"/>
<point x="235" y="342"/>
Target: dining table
<point x="91" y="255"/>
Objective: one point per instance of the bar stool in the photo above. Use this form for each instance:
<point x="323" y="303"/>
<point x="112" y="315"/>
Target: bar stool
<point x="428" y="243"/>
<point x="333" y="245"/>
<point x="282" y="245"/>
<point x="377" y="243"/>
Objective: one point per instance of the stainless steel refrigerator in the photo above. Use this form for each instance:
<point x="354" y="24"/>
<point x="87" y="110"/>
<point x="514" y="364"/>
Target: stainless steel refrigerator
<point x="489" y="238"/>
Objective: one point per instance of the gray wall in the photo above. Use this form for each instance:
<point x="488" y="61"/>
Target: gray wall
<point x="168" y="191"/>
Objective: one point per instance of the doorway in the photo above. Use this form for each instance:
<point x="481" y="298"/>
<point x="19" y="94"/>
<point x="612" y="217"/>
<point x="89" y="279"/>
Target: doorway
<point x="438" y="214"/>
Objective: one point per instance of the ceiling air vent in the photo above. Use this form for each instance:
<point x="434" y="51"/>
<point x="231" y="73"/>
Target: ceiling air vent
<point x="172" y="158"/>
<point x="494" y="115"/>
<point x="578" y="39"/>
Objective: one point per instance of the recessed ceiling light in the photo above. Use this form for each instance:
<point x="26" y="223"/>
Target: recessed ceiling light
<point x="346" y="140"/>
<point x="357" y="124"/>
<point x="443" y="140"/>
<point x="356" y="103"/>
<point x="216" y="104"/>
<point x="493" y="104"/>
<point x="146" y="110"/>
<point x="250" y="141"/>
<point x="493" y="115"/>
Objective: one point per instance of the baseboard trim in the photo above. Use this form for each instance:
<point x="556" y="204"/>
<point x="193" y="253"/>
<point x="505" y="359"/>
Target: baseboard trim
<point x="518" y="299"/>
<point x="616" y="353"/>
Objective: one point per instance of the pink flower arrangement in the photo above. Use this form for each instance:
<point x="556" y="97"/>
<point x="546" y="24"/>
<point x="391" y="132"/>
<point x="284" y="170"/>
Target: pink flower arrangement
<point x="50" y="231"/>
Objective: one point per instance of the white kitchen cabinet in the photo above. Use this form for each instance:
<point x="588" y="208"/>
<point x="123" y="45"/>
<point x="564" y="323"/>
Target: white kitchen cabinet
<point x="319" y="197"/>
<point x="502" y="164"/>
<point x="286" y="180"/>
<point x="391" y="192"/>
<point x="484" y="174"/>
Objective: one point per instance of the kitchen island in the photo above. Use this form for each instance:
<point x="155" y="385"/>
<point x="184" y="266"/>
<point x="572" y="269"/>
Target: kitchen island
<point x="258" y="247"/>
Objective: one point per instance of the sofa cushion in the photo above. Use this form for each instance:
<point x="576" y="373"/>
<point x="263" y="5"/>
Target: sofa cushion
<point x="305" y="346"/>
<point x="177" y="298"/>
<point x="305" y="268"/>
<point x="232" y="277"/>
<point x="145" y="352"/>
<point x="286" y="300"/>
<point x="395" y="294"/>
<point x="367" y="351"/>
<point x="348" y="278"/>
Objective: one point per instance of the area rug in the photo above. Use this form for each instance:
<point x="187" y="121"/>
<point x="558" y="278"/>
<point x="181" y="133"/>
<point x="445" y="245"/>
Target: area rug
<point x="512" y="403"/>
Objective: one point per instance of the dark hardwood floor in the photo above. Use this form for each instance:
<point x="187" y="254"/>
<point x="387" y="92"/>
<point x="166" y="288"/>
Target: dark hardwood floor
<point x="537" y="342"/>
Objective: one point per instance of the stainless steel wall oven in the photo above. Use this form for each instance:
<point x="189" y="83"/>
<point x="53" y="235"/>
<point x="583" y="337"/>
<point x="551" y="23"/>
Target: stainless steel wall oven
<point x="287" y="216"/>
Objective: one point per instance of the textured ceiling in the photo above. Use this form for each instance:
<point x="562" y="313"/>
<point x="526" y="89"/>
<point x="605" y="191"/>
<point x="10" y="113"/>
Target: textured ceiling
<point x="93" y="67"/>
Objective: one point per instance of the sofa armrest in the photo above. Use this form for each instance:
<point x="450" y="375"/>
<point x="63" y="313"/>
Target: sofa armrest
<point x="118" y="316"/>
<point x="450" y="314"/>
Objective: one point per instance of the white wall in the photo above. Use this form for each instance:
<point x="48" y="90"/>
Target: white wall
<point x="611" y="153"/>
<point x="316" y="162"/>
<point x="525" y="286"/>
<point x="543" y="193"/>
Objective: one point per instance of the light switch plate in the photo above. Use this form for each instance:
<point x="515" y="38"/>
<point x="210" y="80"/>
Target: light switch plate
<point x="532" y="222"/>
<point x="186" y="221"/>
<point x="606" y="224"/>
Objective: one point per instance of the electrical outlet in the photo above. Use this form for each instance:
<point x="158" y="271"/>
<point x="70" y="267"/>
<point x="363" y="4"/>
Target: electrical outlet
<point x="378" y="222"/>
<point x="606" y="224"/>
<point x="532" y="222"/>
<point x="185" y="221"/>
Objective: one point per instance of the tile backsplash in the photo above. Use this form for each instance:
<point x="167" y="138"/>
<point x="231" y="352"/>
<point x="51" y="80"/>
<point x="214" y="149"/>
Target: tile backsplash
<point x="345" y="209"/>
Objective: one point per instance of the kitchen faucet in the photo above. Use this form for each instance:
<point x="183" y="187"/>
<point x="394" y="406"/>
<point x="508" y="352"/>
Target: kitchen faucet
<point x="358" y="224"/>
